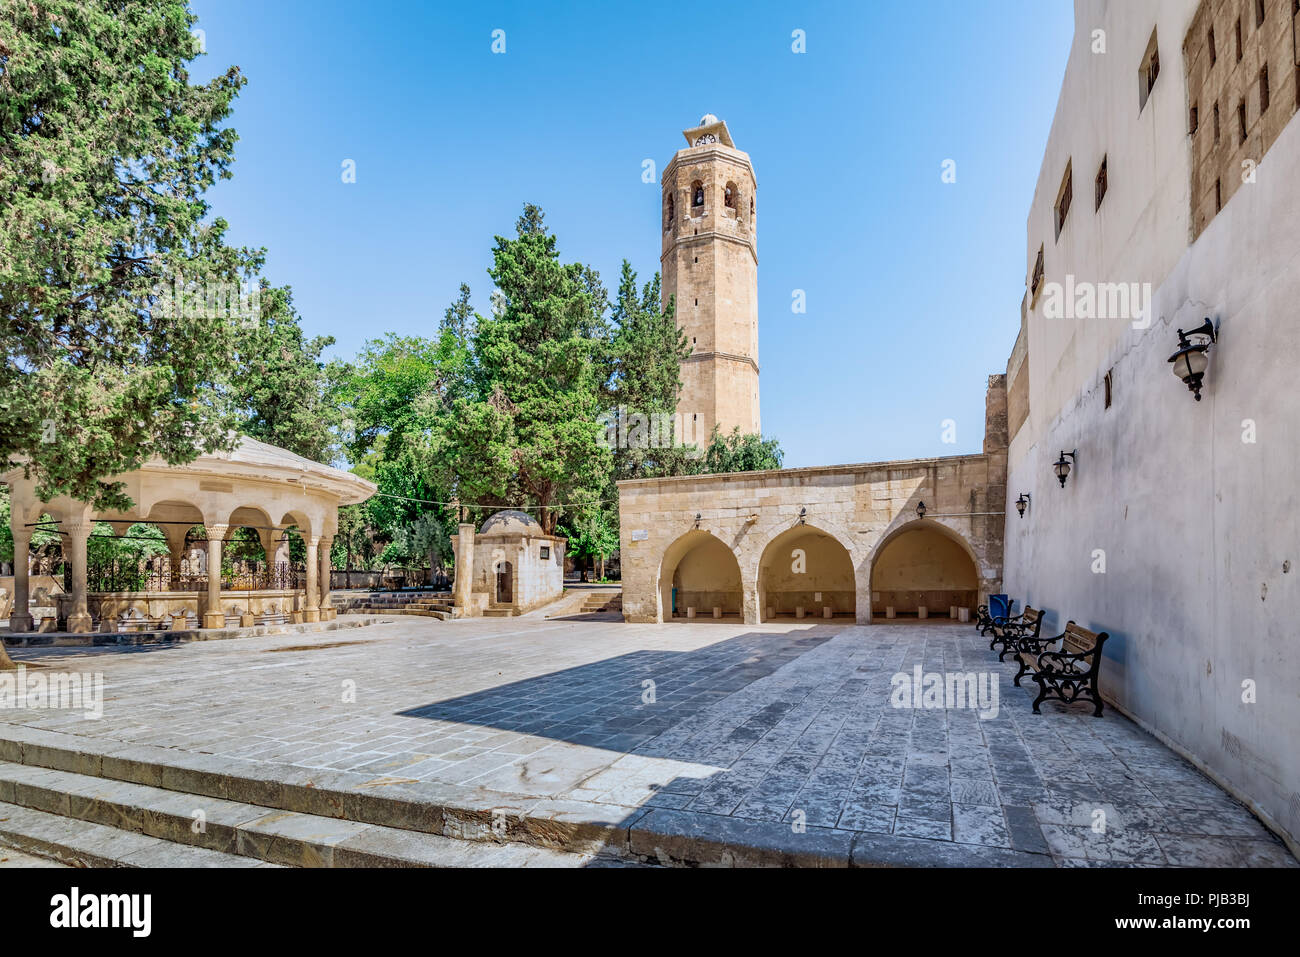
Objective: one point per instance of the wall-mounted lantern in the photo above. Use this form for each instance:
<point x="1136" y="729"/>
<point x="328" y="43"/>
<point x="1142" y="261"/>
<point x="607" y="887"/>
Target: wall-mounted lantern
<point x="1062" y="467"/>
<point x="803" y="513"/>
<point x="1022" y="503"/>
<point x="1191" y="358"/>
<point x="920" y="510"/>
<point x="698" y="517"/>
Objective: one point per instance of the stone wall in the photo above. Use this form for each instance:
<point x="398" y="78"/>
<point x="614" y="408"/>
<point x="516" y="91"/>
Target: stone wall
<point x="861" y="507"/>
<point x="1238" y="86"/>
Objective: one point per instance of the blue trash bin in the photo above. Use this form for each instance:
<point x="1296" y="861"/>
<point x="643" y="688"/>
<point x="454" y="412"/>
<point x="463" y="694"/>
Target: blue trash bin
<point x="1000" y="606"/>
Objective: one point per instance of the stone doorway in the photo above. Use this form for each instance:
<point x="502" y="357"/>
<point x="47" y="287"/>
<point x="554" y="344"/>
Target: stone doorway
<point x="505" y="590"/>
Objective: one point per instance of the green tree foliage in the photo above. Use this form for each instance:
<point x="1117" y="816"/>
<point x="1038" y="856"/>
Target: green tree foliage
<point x="106" y="151"/>
<point x="741" y="453"/>
<point x="280" y="386"/>
<point x="526" y="431"/>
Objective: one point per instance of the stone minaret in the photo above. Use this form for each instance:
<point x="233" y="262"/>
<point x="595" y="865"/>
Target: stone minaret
<point x="710" y="263"/>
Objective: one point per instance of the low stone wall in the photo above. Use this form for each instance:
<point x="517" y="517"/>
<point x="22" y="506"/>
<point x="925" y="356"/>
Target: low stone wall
<point x="178" y="609"/>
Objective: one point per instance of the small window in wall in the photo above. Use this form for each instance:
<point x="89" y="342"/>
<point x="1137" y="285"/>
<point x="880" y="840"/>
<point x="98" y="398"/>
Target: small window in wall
<point x="545" y="552"/>
<point x="1110" y="382"/>
<point x="1148" y="72"/>
<point x="1241" y="122"/>
<point x="697" y="193"/>
<point x="1100" y="187"/>
<point x="1063" y="199"/>
<point x="729" y="196"/>
<point x="1259" y="13"/>
<point x="668" y="212"/>
<point x="1216" y="122"/>
<point x="1194" y="120"/>
<point x="1214" y="50"/>
<point x="1037" y="281"/>
<point x="1239" y="54"/>
<point x="1263" y="90"/>
<point x="1218" y="195"/>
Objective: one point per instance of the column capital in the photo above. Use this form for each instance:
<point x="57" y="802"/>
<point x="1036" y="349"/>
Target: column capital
<point x="78" y="525"/>
<point x="216" y="531"/>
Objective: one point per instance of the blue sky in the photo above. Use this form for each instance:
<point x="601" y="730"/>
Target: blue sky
<point x="913" y="286"/>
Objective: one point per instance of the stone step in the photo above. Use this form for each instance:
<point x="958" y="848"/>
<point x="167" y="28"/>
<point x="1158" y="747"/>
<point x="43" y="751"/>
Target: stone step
<point x="76" y="843"/>
<point x="604" y="834"/>
<point x="225" y="829"/>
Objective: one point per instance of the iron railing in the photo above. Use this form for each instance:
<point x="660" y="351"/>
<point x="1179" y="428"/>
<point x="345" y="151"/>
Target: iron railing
<point x="132" y="575"/>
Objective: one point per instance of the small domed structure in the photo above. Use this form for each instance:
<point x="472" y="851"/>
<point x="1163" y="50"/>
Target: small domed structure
<point x="511" y="521"/>
<point x="708" y="119"/>
<point x="507" y="567"/>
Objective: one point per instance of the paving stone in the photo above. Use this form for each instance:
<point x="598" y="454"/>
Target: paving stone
<point x="749" y="723"/>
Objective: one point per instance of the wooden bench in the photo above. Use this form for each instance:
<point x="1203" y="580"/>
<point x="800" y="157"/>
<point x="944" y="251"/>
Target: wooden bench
<point x="1006" y="631"/>
<point x="1067" y="675"/>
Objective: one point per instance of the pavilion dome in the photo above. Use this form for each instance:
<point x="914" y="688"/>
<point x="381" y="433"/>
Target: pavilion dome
<point x="510" y="521"/>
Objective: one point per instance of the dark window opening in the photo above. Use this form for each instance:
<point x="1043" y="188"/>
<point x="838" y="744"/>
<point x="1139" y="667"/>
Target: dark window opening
<point x="1216" y="122"/>
<point x="1148" y="72"/>
<point x="1241" y="121"/>
<point x="729" y="196"/>
<point x="1259" y="13"/>
<point x="1037" y="279"/>
<point x="669" y="213"/>
<point x="1263" y="90"/>
<point x="1110" y="379"/>
<point x="1063" y="200"/>
<point x="1101" y="184"/>
<point x="1218" y="195"/>
<point x="545" y="552"/>
<point x="1239" y="54"/>
<point x="1194" y="121"/>
<point x="1214" y="51"/>
<point x="697" y="193"/>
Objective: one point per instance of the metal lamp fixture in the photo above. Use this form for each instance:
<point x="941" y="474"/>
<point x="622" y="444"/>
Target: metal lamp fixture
<point x="1191" y="358"/>
<point x="803" y="512"/>
<point x="1062" y="467"/>
<point x="920" y="510"/>
<point x="698" y="517"/>
<point x="1022" y="503"/>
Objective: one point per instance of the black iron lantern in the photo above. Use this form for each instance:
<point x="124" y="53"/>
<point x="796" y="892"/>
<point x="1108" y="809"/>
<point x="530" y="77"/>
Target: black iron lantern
<point x="1192" y="356"/>
<point x="698" y="517"/>
<point x="1062" y="467"/>
<point x="920" y="510"/>
<point x="1022" y="503"/>
<point x="803" y="512"/>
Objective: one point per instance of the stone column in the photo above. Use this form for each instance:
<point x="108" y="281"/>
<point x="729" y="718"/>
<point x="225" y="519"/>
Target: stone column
<point x="311" y="601"/>
<point x="175" y="535"/>
<point x="214" y="617"/>
<point x="749" y="602"/>
<point x="462" y="588"/>
<point x="862" y="597"/>
<point x="20" y="619"/>
<point x="326" y="612"/>
<point x="78" y="530"/>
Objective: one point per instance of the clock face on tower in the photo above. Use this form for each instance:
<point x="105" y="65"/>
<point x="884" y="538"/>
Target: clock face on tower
<point x="705" y="138"/>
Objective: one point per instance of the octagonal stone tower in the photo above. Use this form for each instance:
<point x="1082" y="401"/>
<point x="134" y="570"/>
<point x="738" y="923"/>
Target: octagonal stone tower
<point x="710" y="264"/>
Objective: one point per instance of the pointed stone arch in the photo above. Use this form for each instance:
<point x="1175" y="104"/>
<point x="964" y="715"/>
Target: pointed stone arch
<point x="705" y="572"/>
<point x="806" y="566"/>
<point x="924" y="562"/>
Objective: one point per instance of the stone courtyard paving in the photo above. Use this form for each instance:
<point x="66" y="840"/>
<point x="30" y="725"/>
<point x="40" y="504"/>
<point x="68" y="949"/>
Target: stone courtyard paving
<point x="771" y="725"/>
